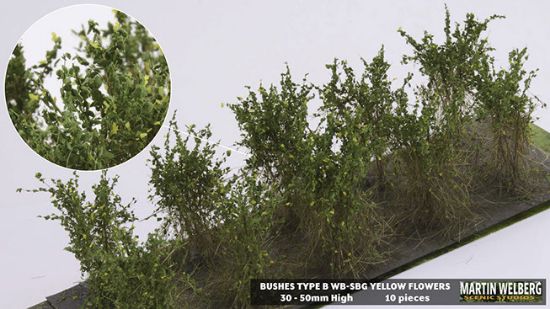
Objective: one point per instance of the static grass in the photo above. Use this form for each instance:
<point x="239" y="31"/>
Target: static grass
<point x="540" y="138"/>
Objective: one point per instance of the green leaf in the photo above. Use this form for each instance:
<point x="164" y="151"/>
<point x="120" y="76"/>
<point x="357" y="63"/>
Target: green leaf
<point x="114" y="129"/>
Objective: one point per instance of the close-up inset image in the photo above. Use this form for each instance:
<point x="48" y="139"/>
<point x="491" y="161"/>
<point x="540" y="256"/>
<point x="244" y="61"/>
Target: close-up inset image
<point x="90" y="97"/>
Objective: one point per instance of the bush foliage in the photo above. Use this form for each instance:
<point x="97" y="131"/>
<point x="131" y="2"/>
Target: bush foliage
<point x="114" y="95"/>
<point x="122" y="272"/>
<point x="318" y="192"/>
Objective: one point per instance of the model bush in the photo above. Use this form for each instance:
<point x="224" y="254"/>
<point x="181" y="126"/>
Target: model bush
<point x="320" y="172"/>
<point x="432" y="138"/>
<point x="222" y="220"/>
<point x="120" y="271"/>
<point x="506" y="105"/>
<point x="189" y="187"/>
<point x="114" y="92"/>
<point x="320" y="192"/>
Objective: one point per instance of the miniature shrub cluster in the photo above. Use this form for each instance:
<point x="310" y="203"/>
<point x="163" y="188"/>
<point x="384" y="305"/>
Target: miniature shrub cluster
<point x="122" y="272"/>
<point x="320" y="194"/>
<point x="113" y="96"/>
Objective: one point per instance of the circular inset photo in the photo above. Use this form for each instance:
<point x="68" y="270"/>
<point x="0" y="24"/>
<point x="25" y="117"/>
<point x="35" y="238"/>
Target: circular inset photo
<point x="87" y="87"/>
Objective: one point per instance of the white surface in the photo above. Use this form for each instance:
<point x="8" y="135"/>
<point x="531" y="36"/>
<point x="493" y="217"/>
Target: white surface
<point x="214" y="48"/>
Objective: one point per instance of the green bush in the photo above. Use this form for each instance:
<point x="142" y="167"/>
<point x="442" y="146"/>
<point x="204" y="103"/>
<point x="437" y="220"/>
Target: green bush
<point x="120" y="271"/>
<point x="276" y="131"/>
<point x="245" y="250"/>
<point x="318" y="173"/>
<point x="353" y="136"/>
<point x="189" y="187"/>
<point x="434" y="149"/>
<point x="223" y="220"/>
<point x="504" y="103"/>
<point x="114" y="95"/>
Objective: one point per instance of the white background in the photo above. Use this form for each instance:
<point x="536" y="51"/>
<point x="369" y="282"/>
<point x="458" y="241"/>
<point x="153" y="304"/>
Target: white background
<point x="214" y="49"/>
